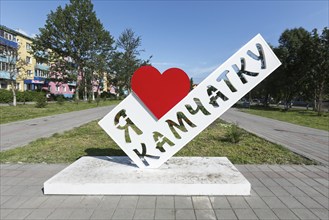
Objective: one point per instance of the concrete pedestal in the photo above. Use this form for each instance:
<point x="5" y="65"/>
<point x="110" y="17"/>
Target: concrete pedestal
<point x="178" y="176"/>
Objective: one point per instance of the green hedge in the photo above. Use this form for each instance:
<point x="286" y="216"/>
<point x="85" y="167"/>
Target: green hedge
<point x="6" y="96"/>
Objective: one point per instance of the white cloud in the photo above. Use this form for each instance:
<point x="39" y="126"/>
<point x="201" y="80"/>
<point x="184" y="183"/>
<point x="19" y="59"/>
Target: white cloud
<point x="197" y="73"/>
<point x="200" y="73"/>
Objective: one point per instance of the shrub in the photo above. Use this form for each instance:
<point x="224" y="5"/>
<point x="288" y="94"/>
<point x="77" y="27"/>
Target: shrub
<point x="98" y="99"/>
<point x="41" y="101"/>
<point x="6" y="96"/>
<point x="60" y="99"/>
<point x="21" y="96"/>
<point x="233" y="134"/>
<point x="29" y="96"/>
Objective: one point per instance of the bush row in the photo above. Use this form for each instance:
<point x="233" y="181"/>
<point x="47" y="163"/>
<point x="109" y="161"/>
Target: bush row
<point x="6" y="96"/>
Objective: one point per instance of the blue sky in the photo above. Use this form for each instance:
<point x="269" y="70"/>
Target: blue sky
<point x="196" y="36"/>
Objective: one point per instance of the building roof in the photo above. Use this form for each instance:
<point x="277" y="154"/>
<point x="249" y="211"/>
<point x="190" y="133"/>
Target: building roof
<point x="11" y="31"/>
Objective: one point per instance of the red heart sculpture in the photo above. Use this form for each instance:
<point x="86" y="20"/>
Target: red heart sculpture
<point x="160" y="92"/>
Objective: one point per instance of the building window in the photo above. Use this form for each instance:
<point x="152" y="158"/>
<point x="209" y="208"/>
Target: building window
<point x="28" y="60"/>
<point x="2" y="52"/>
<point x="29" y="72"/>
<point x="7" y="36"/>
<point x="12" y="68"/>
<point x="57" y="88"/>
<point x="7" y="67"/>
<point x="28" y="47"/>
<point x="3" y="66"/>
<point x="64" y="88"/>
<point x="41" y="73"/>
<point x="3" y="85"/>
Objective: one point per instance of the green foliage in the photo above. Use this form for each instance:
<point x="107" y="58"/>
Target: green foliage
<point x="98" y="99"/>
<point x="301" y="117"/>
<point x="23" y="112"/>
<point x="41" y="102"/>
<point x="304" y="70"/>
<point x="74" y="31"/>
<point x="233" y="134"/>
<point x="191" y="84"/>
<point x="6" y="96"/>
<point x="126" y="62"/>
<point x="60" y="99"/>
<point x="91" y="140"/>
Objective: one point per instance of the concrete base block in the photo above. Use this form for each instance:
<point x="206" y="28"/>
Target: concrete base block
<point x="178" y="176"/>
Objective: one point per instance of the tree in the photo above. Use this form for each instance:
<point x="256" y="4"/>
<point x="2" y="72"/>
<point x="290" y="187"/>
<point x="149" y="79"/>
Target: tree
<point x="13" y="66"/>
<point x="294" y="66"/>
<point x="270" y="87"/>
<point x="304" y="70"/>
<point x="73" y="32"/>
<point x="191" y="84"/>
<point x="125" y="61"/>
<point x="97" y="66"/>
<point x="316" y="53"/>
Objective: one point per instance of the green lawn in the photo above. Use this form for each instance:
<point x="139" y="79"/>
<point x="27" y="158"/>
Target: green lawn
<point x="91" y="140"/>
<point x="306" y="118"/>
<point x="23" y="112"/>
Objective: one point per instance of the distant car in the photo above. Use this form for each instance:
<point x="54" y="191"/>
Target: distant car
<point x="255" y="102"/>
<point x="243" y="103"/>
<point x="300" y="103"/>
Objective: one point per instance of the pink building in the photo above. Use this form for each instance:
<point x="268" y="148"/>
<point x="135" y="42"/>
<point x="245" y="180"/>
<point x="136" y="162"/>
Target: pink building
<point x="59" y="88"/>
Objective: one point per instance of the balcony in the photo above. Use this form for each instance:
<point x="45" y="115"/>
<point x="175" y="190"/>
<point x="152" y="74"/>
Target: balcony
<point x="5" y="75"/>
<point x="42" y="67"/>
<point x="6" y="59"/>
<point x="8" y="43"/>
<point x="72" y="83"/>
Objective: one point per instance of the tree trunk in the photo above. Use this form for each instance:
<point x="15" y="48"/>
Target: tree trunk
<point x="266" y="100"/>
<point x="13" y="87"/>
<point x="321" y="89"/>
<point x="93" y="95"/>
<point x="314" y="101"/>
<point x="77" y="92"/>
<point x="85" y="94"/>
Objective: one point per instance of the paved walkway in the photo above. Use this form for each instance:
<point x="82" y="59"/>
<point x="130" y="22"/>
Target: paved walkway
<point x="278" y="192"/>
<point x="23" y="132"/>
<point x="309" y="142"/>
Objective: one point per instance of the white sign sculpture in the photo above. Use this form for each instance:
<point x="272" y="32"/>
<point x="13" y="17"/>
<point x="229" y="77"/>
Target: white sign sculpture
<point x="150" y="139"/>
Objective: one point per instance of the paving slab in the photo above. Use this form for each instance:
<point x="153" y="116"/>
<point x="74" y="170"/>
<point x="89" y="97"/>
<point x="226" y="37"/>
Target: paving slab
<point x="280" y="205"/>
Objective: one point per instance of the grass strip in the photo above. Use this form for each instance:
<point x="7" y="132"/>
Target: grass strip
<point x="91" y="140"/>
<point x="24" y="112"/>
<point x="307" y="118"/>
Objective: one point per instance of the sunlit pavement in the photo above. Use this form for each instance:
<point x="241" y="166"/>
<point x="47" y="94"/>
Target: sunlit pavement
<point x="278" y="192"/>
